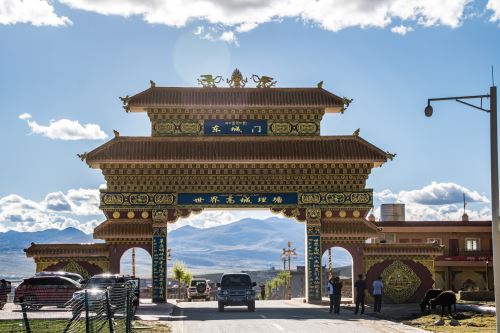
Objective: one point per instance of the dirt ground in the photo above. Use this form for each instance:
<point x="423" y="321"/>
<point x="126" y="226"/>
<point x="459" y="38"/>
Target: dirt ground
<point x="409" y="314"/>
<point x="470" y="322"/>
<point x="142" y="326"/>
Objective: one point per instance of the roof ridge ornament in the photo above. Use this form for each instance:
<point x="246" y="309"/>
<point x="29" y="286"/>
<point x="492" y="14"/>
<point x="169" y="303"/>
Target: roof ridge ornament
<point x="83" y="156"/>
<point x="263" y="81"/>
<point x="320" y="84"/>
<point x="237" y="80"/>
<point x="347" y="102"/>
<point x="152" y="83"/>
<point x="390" y="155"/>
<point x="356" y="132"/>
<point x="209" y="81"/>
<point x="125" y="100"/>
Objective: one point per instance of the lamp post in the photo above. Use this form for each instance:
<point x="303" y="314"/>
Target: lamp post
<point x="494" y="180"/>
<point x="169" y="257"/>
<point x="133" y="261"/>
<point x="286" y="255"/>
<point x="487" y="277"/>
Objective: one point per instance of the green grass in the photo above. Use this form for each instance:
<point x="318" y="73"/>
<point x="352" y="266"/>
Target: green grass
<point x="56" y="326"/>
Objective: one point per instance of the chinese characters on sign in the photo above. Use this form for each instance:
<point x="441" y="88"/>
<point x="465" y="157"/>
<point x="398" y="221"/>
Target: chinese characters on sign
<point x="314" y="266"/>
<point x="159" y="267"/>
<point x="237" y="199"/>
<point x="235" y="127"/>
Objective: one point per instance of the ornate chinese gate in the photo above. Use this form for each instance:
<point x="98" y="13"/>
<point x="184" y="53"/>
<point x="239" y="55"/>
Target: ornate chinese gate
<point x="235" y="148"/>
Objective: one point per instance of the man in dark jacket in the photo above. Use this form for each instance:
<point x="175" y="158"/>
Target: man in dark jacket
<point x="337" y="294"/>
<point x="360" y="287"/>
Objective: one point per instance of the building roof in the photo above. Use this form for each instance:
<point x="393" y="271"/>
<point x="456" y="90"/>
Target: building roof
<point x="234" y="98"/>
<point x="348" y="228"/>
<point x="124" y="229"/>
<point x="67" y="250"/>
<point x="452" y="224"/>
<point x="319" y="149"/>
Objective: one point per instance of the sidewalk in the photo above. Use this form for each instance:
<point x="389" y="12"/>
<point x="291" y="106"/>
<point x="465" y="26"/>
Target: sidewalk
<point x="148" y="310"/>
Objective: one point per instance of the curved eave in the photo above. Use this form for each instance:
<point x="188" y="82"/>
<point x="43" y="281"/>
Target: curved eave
<point x="241" y="150"/>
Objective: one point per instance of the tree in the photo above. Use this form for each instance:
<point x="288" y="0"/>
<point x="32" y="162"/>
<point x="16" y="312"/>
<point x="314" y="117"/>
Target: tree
<point x="181" y="275"/>
<point x="278" y="281"/>
<point x="179" y="272"/>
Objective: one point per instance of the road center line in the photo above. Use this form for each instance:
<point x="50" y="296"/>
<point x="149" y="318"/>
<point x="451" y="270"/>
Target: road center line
<point x="278" y="327"/>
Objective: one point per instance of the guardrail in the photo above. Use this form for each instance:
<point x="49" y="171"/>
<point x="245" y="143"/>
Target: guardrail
<point x="89" y="311"/>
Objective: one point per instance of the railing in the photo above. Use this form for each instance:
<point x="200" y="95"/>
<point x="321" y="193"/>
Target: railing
<point x="465" y="253"/>
<point x="90" y="311"/>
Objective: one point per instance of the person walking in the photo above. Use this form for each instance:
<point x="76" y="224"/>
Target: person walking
<point x="377" y="294"/>
<point x="360" y="287"/>
<point x="330" y="292"/>
<point x="337" y="294"/>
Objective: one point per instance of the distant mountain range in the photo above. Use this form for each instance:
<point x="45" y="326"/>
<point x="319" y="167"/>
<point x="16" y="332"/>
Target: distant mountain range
<point x="248" y="244"/>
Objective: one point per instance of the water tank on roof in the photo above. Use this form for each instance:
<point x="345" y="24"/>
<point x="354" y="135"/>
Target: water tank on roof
<point x="392" y="212"/>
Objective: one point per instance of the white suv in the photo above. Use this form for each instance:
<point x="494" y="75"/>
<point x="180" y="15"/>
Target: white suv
<point x="198" y="289"/>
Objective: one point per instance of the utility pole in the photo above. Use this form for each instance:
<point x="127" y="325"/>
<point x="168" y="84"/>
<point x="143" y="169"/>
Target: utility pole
<point x="330" y="265"/>
<point x="495" y="218"/>
<point x="133" y="261"/>
<point x="286" y="255"/>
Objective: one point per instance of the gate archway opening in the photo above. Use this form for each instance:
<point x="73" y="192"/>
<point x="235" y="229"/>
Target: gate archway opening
<point x="143" y="263"/>
<point x="250" y="240"/>
<point x="338" y="261"/>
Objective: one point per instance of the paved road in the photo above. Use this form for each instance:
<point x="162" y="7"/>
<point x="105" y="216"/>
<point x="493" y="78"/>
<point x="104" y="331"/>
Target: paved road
<point x="276" y="316"/>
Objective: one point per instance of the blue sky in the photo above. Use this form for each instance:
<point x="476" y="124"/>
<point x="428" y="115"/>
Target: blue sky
<point x="70" y="60"/>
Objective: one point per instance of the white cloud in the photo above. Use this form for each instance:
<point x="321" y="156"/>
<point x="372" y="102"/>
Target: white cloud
<point x="438" y="201"/>
<point x="24" y="116"/>
<point x="246" y="27"/>
<point x="494" y="5"/>
<point x="58" y="210"/>
<point x="433" y="194"/>
<point x="65" y="129"/>
<point x="198" y="31"/>
<point x="333" y="15"/>
<point x="36" y="12"/>
<point x="401" y="30"/>
<point x="229" y="36"/>
<point x="417" y="212"/>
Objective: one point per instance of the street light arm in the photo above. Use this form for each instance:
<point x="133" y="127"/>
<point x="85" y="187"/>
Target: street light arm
<point x="473" y="106"/>
<point x="457" y="97"/>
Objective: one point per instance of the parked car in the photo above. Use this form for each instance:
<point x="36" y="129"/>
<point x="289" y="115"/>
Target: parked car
<point x="73" y="276"/>
<point x="5" y="289"/>
<point x="39" y="291"/>
<point x="236" y="289"/>
<point x="96" y="288"/>
<point x="199" y="289"/>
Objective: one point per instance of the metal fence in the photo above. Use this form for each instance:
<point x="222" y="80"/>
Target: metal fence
<point x="89" y="311"/>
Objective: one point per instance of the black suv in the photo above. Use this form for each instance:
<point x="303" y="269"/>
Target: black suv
<point x="236" y="289"/>
<point x="96" y="287"/>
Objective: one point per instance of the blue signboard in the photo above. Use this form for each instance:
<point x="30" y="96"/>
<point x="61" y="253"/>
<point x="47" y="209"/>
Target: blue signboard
<point x="159" y="267"/>
<point x="235" y="127"/>
<point x="314" y="266"/>
<point x="237" y="199"/>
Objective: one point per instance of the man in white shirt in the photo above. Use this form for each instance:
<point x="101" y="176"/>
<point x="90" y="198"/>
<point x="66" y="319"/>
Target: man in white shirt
<point x="330" y="293"/>
<point x="377" y="294"/>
